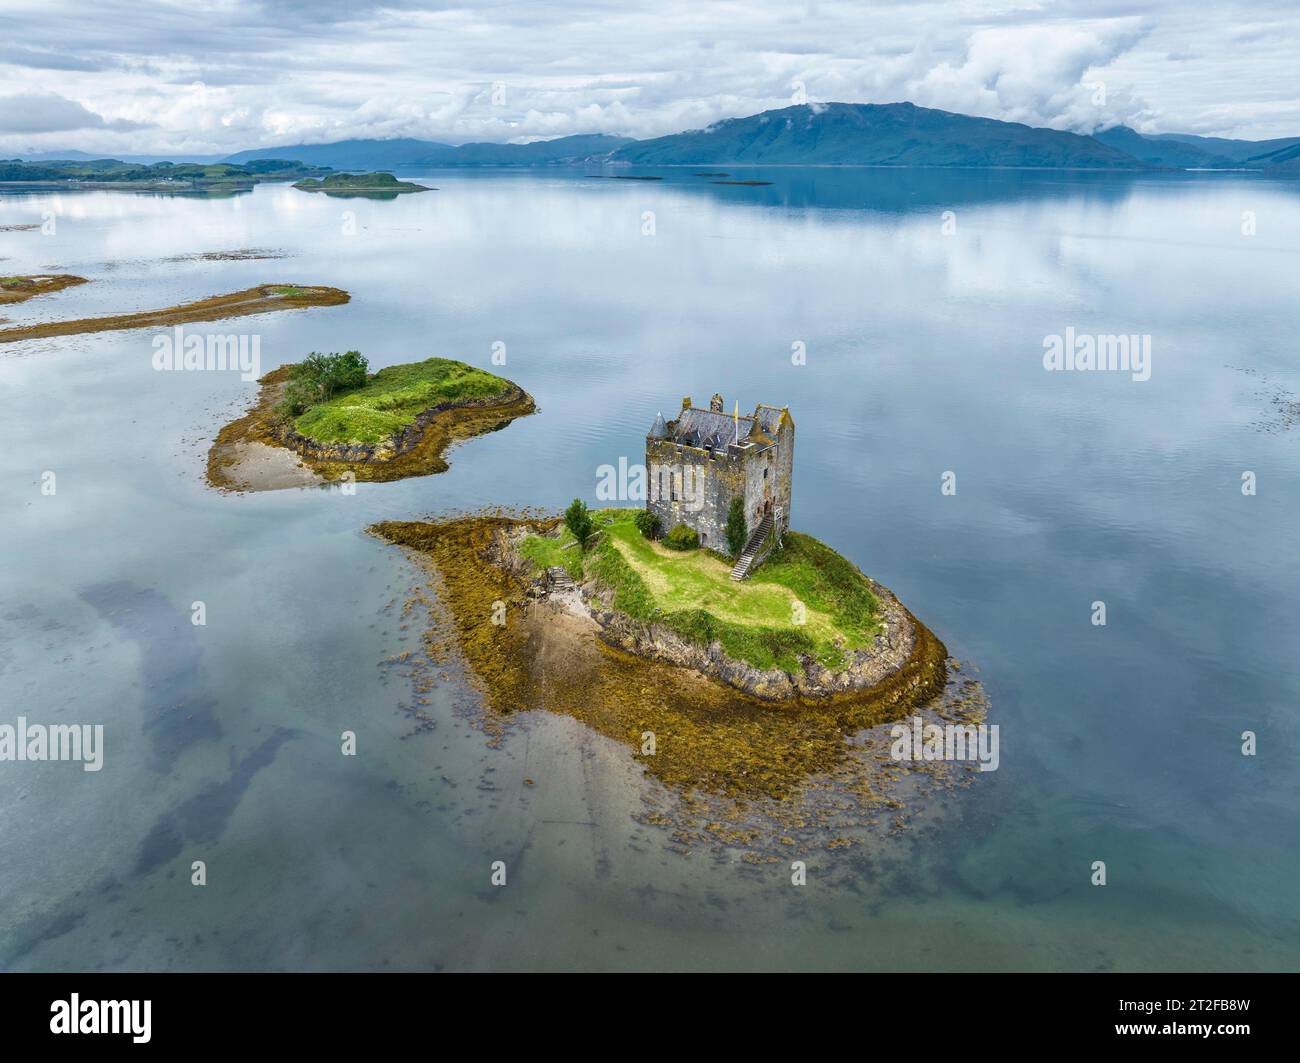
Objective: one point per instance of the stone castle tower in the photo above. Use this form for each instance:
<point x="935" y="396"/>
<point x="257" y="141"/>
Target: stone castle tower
<point x="702" y="459"/>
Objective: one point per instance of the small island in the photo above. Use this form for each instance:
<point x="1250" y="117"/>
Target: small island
<point x="328" y="418"/>
<point x="258" y="300"/>
<point x="20" y="289"/>
<point x="360" y="184"/>
<point x="213" y="178"/>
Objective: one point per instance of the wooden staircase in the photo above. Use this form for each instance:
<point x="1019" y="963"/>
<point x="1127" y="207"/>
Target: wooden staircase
<point x="746" y="559"/>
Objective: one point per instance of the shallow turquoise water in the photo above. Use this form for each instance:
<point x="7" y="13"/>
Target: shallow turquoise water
<point x="1118" y="743"/>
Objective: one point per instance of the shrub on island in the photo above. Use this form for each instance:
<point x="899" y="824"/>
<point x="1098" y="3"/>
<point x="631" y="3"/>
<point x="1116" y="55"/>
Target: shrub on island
<point x="682" y="538"/>
<point x="319" y="377"/>
<point x="648" y="524"/>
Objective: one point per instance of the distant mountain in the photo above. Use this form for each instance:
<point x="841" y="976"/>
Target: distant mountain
<point x="1235" y="151"/>
<point x="572" y="149"/>
<point x="1284" y="162"/>
<point x="1177" y="154"/>
<point x="82" y="156"/>
<point x="892" y="134"/>
<point x="350" y="154"/>
<point x="386" y="154"/>
<point x="1277" y="158"/>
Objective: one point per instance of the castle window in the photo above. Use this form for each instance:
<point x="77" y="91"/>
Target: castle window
<point x="764" y="474"/>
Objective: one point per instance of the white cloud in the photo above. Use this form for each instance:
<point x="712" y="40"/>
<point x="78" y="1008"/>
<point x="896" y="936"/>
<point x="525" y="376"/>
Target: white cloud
<point x="44" y="112"/>
<point x="277" y="73"/>
<point x="1049" y="76"/>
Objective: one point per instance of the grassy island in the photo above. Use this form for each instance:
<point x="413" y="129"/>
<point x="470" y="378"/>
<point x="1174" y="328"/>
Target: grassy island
<point x="392" y="399"/>
<point x="328" y="416"/>
<point x="359" y="184"/>
<point x="259" y="300"/>
<point x="20" y="289"/>
<point x="803" y="599"/>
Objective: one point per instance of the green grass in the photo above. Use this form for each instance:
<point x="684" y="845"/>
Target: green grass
<point x="754" y="620"/>
<point x="392" y="399"/>
<point x="289" y="290"/>
<point x="545" y="552"/>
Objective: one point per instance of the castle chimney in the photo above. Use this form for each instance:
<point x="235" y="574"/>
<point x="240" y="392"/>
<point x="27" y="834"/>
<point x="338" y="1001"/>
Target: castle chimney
<point x="715" y="403"/>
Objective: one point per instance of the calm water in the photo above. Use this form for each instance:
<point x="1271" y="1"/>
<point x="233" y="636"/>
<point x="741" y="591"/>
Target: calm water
<point x="1119" y="743"/>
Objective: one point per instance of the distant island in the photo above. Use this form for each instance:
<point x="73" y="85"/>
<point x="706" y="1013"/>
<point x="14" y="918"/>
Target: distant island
<point x="353" y="184"/>
<point x="328" y="418"/>
<point x="157" y="177"/>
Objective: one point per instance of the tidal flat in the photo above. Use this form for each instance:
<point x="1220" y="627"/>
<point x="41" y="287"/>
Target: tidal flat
<point x="261" y="299"/>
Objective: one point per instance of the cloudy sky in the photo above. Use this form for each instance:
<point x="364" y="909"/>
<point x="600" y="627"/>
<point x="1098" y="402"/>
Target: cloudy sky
<point x="137" y="76"/>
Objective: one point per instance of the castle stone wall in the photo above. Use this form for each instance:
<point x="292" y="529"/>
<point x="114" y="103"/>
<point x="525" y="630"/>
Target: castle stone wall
<point x="716" y="481"/>
<point x="713" y="481"/>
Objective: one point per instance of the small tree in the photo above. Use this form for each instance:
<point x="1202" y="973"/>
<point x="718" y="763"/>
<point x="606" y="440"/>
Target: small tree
<point x="577" y="518"/>
<point x="299" y="396"/>
<point x="647" y="524"/>
<point x="330" y="374"/>
<point x="737" y="533"/>
<point x="319" y="377"/>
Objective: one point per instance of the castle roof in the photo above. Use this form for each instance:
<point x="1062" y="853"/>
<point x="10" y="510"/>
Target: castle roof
<point x="713" y="430"/>
<point x="707" y="428"/>
<point x="768" y="418"/>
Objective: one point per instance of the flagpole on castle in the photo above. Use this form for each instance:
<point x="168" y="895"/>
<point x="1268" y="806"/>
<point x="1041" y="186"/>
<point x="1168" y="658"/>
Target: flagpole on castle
<point x="737" y="421"/>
